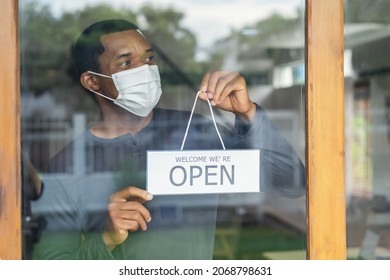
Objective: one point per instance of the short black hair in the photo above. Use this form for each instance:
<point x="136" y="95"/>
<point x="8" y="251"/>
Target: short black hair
<point x="89" y="47"/>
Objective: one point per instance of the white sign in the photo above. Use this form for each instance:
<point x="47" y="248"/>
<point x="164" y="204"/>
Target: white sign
<point x="203" y="171"/>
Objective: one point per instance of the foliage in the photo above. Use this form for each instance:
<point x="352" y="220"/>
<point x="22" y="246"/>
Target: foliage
<point x="46" y="40"/>
<point x="164" y="28"/>
<point x="367" y="11"/>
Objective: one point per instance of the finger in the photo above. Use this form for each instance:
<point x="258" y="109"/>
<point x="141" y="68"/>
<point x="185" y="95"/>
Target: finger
<point x="216" y="78"/>
<point x="131" y="192"/>
<point x="128" y="220"/>
<point x="129" y="225"/>
<point x="225" y="85"/>
<point x="124" y="210"/>
<point x="203" y="95"/>
<point x="132" y="221"/>
<point x="216" y="85"/>
<point x="205" y="82"/>
<point x="131" y="206"/>
<point x="135" y="216"/>
<point x="211" y="81"/>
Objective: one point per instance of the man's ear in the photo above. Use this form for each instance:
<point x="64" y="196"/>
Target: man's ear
<point x="89" y="81"/>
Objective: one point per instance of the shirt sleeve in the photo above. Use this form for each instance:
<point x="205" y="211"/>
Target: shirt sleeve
<point x="281" y="170"/>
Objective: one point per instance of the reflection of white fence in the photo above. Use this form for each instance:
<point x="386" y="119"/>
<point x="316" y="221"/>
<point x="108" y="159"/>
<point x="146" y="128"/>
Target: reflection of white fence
<point x="43" y="138"/>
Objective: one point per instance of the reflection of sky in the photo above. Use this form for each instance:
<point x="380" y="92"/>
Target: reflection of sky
<point x="209" y="19"/>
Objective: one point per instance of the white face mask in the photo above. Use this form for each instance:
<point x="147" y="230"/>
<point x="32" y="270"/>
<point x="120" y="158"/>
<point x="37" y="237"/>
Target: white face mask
<point x="139" y="89"/>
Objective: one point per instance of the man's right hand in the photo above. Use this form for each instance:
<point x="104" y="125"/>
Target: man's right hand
<point x="125" y="213"/>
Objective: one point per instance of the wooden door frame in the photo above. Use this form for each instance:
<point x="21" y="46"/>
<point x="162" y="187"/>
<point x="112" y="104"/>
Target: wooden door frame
<point x="10" y="181"/>
<point x="324" y="131"/>
<point x="326" y="208"/>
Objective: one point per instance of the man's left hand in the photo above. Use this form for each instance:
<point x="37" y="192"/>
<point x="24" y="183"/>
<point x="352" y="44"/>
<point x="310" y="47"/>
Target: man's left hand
<point x="228" y="91"/>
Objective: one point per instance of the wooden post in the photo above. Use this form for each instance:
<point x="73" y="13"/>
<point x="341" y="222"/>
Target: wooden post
<point x="10" y="193"/>
<point x="325" y="129"/>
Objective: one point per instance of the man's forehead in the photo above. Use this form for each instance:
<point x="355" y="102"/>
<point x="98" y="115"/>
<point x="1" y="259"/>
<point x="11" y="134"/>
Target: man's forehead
<point x="122" y="41"/>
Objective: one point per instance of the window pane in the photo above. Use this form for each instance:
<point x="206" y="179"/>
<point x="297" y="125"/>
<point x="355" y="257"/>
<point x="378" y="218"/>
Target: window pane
<point x="87" y="128"/>
<point x="367" y="79"/>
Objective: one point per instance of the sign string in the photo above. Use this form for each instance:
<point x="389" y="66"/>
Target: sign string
<point x="212" y="115"/>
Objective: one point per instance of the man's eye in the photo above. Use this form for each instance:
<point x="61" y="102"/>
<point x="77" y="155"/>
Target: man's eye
<point x="125" y="63"/>
<point x="150" y="58"/>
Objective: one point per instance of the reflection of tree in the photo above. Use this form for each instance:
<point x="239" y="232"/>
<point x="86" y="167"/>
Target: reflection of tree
<point x="47" y="66"/>
<point x="367" y="11"/>
<point x="46" y="41"/>
<point x="164" y="30"/>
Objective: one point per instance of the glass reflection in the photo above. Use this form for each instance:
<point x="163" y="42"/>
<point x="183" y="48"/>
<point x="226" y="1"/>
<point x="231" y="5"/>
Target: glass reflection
<point x="367" y="80"/>
<point x="84" y="155"/>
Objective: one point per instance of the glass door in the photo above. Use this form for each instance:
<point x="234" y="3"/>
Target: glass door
<point x="82" y="162"/>
<point x="367" y="129"/>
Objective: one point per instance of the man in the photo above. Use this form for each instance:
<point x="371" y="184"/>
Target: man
<point x="106" y="212"/>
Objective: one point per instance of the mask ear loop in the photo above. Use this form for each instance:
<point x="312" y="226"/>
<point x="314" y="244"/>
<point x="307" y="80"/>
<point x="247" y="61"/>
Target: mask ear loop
<point x="212" y="115"/>
<point x="102" y="95"/>
<point x="98" y="93"/>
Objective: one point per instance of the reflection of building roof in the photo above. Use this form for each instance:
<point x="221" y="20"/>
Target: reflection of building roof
<point x="355" y="34"/>
<point x="287" y="40"/>
<point x="361" y="33"/>
<point x="284" y="68"/>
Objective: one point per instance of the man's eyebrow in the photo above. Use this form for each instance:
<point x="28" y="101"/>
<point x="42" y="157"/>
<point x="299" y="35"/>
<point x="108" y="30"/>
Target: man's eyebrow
<point x="149" y="50"/>
<point x="123" y="55"/>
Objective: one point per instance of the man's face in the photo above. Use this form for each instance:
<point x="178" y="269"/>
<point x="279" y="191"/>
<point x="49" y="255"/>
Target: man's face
<point x="122" y="51"/>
